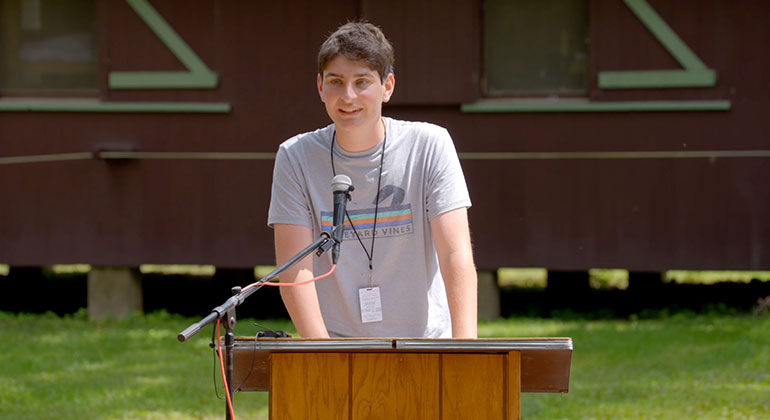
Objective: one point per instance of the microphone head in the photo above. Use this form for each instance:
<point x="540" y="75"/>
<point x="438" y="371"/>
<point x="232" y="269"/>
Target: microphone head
<point x="341" y="183"/>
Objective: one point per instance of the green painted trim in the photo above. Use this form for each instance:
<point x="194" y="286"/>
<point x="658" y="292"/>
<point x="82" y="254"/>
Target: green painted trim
<point x="663" y="33"/>
<point x="162" y="80"/>
<point x="56" y="157"/>
<point x="187" y="155"/>
<point x="695" y="73"/>
<point x="129" y="107"/>
<point x="168" y="35"/>
<point x="672" y="154"/>
<point x="695" y="154"/>
<point x="511" y="106"/>
<point x="199" y="75"/>
<point x="656" y="79"/>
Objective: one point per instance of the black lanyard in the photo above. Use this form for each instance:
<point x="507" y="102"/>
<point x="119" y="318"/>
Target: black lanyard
<point x="369" y="254"/>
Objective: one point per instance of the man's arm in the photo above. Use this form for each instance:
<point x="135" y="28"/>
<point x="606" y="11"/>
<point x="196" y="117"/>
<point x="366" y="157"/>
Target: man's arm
<point x="300" y="301"/>
<point x="451" y="235"/>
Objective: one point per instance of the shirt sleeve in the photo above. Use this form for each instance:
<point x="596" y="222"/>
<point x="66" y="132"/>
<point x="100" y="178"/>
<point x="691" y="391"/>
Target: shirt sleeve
<point x="445" y="188"/>
<point x="289" y="200"/>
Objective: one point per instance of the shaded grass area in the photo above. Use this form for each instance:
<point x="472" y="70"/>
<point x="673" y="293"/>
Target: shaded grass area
<point x="594" y="296"/>
<point x="685" y="366"/>
<point x="653" y="300"/>
<point x="71" y="368"/>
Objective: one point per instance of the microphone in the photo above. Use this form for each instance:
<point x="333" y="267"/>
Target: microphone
<point x="341" y="187"/>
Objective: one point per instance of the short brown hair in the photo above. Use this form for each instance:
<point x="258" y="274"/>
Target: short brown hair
<point x="358" y="41"/>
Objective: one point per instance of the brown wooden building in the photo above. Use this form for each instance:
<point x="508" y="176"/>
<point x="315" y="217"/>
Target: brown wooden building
<point x="598" y="133"/>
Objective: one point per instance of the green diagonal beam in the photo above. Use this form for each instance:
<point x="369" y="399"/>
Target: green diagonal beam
<point x="168" y="35"/>
<point x="695" y="73"/>
<point x="663" y="33"/>
<point x="199" y="76"/>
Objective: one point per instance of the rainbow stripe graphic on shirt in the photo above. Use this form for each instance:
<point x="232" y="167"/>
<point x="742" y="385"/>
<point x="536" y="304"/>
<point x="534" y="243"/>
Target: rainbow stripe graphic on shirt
<point x="391" y="221"/>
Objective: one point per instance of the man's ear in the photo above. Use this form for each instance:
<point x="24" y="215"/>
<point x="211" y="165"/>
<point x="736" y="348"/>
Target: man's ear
<point x="320" y="84"/>
<point x="390" y="86"/>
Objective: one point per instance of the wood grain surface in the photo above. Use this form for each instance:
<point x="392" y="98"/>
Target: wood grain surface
<point x="395" y="386"/>
<point x="306" y="383"/>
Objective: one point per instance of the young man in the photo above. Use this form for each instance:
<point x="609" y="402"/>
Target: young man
<point x="406" y="254"/>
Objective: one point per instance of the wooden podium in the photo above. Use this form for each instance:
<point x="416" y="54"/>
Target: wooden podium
<point x="421" y="379"/>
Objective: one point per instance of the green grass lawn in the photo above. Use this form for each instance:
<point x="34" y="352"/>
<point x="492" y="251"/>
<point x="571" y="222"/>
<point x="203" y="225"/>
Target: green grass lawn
<point x="682" y="367"/>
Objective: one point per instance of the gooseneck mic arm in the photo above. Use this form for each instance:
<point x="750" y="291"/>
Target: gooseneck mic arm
<point x="321" y="245"/>
<point x="341" y="187"/>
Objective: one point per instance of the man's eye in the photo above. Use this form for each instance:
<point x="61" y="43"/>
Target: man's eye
<point x="335" y="82"/>
<point x="362" y="82"/>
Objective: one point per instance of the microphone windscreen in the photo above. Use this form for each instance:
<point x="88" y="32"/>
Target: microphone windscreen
<point x="341" y="183"/>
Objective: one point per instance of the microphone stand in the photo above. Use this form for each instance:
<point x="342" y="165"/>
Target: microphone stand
<point x="226" y="311"/>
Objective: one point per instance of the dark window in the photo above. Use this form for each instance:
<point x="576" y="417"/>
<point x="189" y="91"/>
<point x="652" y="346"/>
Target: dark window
<point x="48" y="47"/>
<point x="535" y="47"/>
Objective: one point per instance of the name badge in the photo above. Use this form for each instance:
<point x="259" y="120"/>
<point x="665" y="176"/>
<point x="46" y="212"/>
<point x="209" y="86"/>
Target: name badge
<point x="371" y="304"/>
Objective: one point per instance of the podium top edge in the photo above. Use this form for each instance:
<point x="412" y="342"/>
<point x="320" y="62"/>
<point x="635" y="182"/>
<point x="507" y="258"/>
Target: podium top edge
<point x="315" y="344"/>
<point x="446" y="344"/>
<point x="486" y="344"/>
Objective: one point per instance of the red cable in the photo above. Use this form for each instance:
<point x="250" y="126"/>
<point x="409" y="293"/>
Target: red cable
<point x="334" y="266"/>
<point x="222" y="368"/>
<point x="219" y="336"/>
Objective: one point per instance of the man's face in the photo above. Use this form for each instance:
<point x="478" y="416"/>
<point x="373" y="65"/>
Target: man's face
<point x="353" y="93"/>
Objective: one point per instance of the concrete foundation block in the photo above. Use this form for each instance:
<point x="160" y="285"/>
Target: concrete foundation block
<point x="489" y="295"/>
<point x="114" y="292"/>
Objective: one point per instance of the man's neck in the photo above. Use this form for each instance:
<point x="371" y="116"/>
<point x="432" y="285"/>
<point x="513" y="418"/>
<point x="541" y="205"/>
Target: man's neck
<point x="363" y="138"/>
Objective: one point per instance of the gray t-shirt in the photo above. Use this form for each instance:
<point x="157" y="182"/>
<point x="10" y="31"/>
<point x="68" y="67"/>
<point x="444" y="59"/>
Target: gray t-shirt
<point x="421" y="179"/>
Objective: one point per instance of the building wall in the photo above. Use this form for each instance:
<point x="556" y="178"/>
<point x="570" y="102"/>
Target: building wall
<point x="643" y="190"/>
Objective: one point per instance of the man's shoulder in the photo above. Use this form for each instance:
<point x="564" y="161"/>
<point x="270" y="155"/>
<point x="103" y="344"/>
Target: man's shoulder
<point x="308" y="140"/>
<point x="418" y="127"/>
<point x="421" y="136"/>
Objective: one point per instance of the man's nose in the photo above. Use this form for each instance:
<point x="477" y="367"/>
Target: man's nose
<point x="349" y="92"/>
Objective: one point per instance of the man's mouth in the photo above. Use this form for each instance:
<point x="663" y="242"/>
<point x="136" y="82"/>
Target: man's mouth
<point x="350" y="111"/>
